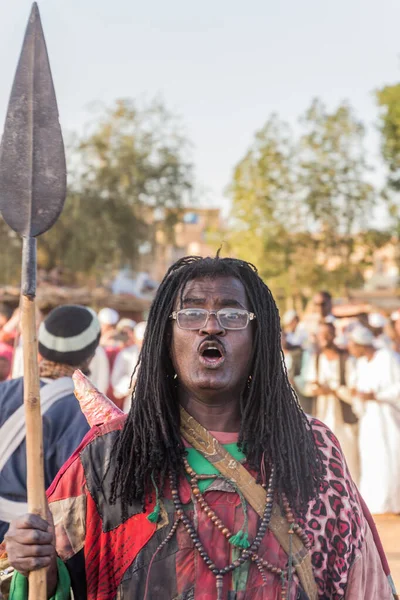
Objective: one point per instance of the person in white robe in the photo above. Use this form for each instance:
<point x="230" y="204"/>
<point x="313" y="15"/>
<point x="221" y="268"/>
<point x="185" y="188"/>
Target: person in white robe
<point x="376" y="384"/>
<point x="122" y="380"/>
<point x="99" y="370"/>
<point x="377" y="323"/>
<point x="325" y="375"/>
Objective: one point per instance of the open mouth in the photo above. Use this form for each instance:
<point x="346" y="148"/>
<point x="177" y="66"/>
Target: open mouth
<point x="211" y="355"/>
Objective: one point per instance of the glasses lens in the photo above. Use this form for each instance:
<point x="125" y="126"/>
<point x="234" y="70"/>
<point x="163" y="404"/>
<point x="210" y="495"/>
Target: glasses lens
<point x="191" y="318"/>
<point x="232" y="318"/>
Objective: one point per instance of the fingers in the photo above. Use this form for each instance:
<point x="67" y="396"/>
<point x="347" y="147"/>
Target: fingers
<point x="26" y="564"/>
<point x="29" y="544"/>
<point x="31" y="521"/>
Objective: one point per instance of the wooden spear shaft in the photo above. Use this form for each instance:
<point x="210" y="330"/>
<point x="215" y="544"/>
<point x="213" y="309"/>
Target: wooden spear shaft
<point x="33" y="417"/>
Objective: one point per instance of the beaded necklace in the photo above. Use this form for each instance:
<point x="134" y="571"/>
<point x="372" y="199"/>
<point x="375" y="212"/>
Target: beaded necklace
<point x="247" y="551"/>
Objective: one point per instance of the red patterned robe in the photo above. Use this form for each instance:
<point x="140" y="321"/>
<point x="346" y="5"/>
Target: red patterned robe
<point x="109" y="558"/>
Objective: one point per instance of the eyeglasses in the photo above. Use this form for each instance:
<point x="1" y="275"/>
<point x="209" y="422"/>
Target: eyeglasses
<point x="197" y="318"/>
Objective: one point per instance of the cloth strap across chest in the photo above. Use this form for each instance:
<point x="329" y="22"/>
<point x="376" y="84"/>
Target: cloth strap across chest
<point x="255" y="494"/>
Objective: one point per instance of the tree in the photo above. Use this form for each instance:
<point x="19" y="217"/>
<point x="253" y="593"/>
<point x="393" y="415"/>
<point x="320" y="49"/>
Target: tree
<point x="388" y="99"/>
<point x="128" y="169"/>
<point x="298" y="202"/>
<point x="333" y="177"/>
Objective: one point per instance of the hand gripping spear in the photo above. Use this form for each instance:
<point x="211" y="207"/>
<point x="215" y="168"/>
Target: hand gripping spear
<point x="32" y="195"/>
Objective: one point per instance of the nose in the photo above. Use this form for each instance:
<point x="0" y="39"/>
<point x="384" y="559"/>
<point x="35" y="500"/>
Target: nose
<point x="212" y="327"/>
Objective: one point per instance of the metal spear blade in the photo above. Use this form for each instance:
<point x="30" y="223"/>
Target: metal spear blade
<point x="32" y="158"/>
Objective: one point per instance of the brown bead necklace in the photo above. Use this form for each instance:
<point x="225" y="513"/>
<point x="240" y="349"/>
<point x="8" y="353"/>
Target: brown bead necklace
<point x="250" y="553"/>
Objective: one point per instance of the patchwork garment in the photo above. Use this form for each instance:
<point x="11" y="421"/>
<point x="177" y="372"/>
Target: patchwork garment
<point x="109" y="558"/>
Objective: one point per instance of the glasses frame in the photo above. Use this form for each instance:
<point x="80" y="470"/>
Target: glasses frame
<point x="250" y="317"/>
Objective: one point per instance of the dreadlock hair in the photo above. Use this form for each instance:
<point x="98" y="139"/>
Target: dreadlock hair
<point x="274" y="429"/>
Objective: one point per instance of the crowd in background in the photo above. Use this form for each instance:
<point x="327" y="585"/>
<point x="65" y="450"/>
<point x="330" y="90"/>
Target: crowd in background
<point x="346" y="372"/>
<point x="112" y="366"/>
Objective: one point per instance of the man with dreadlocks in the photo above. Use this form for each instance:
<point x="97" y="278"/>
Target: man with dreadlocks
<point x="215" y="486"/>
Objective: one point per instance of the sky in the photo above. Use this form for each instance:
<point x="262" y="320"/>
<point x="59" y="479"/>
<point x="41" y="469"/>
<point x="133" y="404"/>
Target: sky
<point x="223" y="66"/>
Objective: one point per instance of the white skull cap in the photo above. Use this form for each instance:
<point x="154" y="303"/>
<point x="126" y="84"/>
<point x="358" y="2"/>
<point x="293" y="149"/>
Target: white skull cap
<point x="362" y="336"/>
<point x="140" y="329"/>
<point x="108" y="316"/>
<point x="376" y="320"/>
<point x="288" y="317"/>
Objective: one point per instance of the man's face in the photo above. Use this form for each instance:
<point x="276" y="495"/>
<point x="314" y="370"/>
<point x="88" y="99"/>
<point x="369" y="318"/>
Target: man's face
<point x="128" y="336"/>
<point x="293" y="324"/>
<point x="322" y="305"/>
<point x="325" y="336"/>
<point x="201" y="370"/>
<point x="356" y="350"/>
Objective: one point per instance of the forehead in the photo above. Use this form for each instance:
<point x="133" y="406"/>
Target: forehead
<point x="223" y="291"/>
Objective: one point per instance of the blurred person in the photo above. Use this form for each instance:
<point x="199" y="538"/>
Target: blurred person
<point x="322" y="307"/>
<point x="293" y="360"/>
<point x="108" y="318"/>
<point x="17" y="365"/>
<point x="326" y="375"/>
<point x="125" y="332"/>
<point x="212" y="398"/>
<point x="395" y="330"/>
<point x="5" y="314"/>
<point x="6" y="356"/>
<point x="5" y="366"/>
<point x="321" y="312"/>
<point x="67" y="340"/>
<point x="295" y="333"/>
<point x="122" y="380"/>
<point x="100" y="370"/>
<point x="377" y="323"/>
<point x="376" y="391"/>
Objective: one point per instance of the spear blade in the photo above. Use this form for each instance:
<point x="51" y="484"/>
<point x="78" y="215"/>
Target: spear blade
<point x="32" y="157"/>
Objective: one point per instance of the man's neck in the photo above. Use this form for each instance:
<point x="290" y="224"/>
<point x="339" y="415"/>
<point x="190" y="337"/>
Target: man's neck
<point x="223" y="416"/>
<point x="370" y="353"/>
<point x="330" y="352"/>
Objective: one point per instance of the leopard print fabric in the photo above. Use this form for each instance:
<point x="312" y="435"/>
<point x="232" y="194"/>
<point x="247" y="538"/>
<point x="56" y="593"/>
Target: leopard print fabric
<point x="334" y="521"/>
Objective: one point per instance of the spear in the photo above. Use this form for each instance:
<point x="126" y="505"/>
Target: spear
<point x="32" y="195"/>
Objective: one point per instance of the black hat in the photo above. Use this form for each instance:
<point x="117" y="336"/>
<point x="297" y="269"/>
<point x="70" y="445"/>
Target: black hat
<point x="70" y="334"/>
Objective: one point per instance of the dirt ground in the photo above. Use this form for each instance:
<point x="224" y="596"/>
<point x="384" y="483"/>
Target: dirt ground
<point x="389" y="530"/>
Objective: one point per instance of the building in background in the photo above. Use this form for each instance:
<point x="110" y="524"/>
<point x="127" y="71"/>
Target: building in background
<point x="197" y="233"/>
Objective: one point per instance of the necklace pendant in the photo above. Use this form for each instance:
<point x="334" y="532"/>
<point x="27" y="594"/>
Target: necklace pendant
<point x="220" y="586"/>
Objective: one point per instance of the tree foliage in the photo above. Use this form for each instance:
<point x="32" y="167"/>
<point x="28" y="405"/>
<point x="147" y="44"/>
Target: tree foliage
<point x="300" y="202"/>
<point x="388" y="99"/>
<point x="129" y="168"/>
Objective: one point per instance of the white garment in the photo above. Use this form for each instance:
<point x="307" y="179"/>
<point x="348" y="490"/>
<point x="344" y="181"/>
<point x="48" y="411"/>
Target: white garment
<point x="298" y="337"/>
<point x="328" y="407"/>
<point x="379" y="436"/>
<point x="99" y="368"/>
<point x="382" y="341"/>
<point x="18" y="362"/>
<point x="124" y="366"/>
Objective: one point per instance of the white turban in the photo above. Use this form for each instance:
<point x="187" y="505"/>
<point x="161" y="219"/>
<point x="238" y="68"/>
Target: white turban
<point x="288" y="317"/>
<point x="362" y="336"/>
<point x="139" y="330"/>
<point x="108" y="316"/>
<point x="126" y="323"/>
<point x="376" y="320"/>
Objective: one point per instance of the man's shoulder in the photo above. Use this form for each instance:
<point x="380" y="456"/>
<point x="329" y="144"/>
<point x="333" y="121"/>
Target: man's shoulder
<point x="325" y="438"/>
<point x="98" y="442"/>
